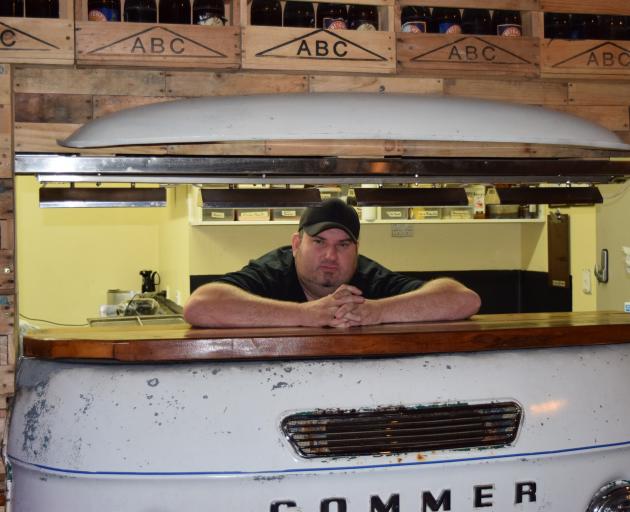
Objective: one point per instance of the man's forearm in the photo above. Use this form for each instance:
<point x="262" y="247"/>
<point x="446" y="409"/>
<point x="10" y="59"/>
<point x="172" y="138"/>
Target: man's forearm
<point x="224" y="305"/>
<point x="441" y="299"/>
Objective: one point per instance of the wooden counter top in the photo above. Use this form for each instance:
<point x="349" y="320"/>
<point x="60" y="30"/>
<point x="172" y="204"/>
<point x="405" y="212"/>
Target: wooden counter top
<point x="183" y="343"/>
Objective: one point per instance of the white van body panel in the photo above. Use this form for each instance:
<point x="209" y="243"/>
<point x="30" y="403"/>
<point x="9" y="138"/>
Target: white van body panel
<point x="207" y="436"/>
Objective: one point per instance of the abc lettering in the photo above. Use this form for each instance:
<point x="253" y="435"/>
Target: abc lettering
<point x="472" y="53"/>
<point x="7" y="37"/>
<point x="488" y="53"/>
<point x="304" y="48"/>
<point x="176" y="45"/>
<point x="322" y="49"/>
<point x="609" y="59"/>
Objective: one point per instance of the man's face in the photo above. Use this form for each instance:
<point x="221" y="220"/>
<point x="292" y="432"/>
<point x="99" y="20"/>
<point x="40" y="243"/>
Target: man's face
<point x="324" y="261"/>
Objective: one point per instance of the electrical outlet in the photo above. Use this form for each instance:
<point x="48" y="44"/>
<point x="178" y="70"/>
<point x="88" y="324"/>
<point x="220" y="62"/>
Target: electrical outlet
<point x="402" y="230"/>
<point x="626" y="307"/>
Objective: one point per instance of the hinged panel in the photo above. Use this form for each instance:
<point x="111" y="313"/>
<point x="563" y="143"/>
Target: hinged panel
<point x="163" y="45"/>
<point x="469" y="54"/>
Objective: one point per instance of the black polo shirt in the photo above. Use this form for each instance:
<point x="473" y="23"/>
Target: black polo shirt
<point x="273" y="275"/>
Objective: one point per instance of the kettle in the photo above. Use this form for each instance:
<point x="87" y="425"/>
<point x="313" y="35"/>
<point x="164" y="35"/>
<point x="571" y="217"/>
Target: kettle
<point x="149" y="280"/>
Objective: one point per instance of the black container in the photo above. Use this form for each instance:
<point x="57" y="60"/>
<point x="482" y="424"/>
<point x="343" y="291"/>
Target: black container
<point x="298" y="14"/>
<point x="266" y="13"/>
<point x="332" y="16"/>
<point x="209" y="12"/>
<point x="477" y="21"/>
<point x="140" y="11"/>
<point x="175" y="11"/>
<point x="557" y="25"/>
<point x="415" y="19"/>
<point x="507" y="23"/>
<point x="362" y="17"/>
<point x="12" y="8"/>
<point x="41" y="8"/>
<point x="614" y="27"/>
<point x="585" y="26"/>
<point x="447" y="20"/>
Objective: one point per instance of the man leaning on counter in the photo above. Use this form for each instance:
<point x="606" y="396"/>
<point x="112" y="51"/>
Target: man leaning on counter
<point x="322" y="280"/>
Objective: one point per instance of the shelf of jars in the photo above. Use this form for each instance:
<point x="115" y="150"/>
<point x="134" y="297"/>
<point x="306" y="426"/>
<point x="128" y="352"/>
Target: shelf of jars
<point x="477" y="211"/>
<point x="586" y="39"/>
<point x="485" y="39"/>
<point x="350" y="37"/>
<point x="199" y="34"/>
<point x="37" y="31"/>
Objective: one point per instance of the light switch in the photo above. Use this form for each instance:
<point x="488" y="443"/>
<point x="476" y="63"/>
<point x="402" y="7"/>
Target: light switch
<point x="586" y="281"/>
<point x="626" y="251"/>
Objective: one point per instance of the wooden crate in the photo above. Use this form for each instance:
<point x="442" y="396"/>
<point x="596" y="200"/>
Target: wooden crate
<point x="38" y="40"/>
<point x="585" y="58"/>
<point x="470" y="54"/>
<point x="321" y="50"/>
<point x="158" y="45"/>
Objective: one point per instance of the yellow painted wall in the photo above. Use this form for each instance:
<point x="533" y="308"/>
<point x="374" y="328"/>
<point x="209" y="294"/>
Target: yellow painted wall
<point x="218" y="249"/>
<point x="613" y="232"/>
<point x="174" y="245"/>
<point x="583" y="236"/>
<point x="67" y="258"/>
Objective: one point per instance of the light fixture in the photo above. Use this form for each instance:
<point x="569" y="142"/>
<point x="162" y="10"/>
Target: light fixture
<point x="259" y="197"/>
<point x="101" y="197"/>
<point x="550" y="195"/>
<point x="411" y="197"/>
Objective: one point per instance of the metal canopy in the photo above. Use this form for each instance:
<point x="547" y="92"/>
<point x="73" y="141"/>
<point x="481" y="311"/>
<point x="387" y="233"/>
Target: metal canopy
<point x="317" y="170"/>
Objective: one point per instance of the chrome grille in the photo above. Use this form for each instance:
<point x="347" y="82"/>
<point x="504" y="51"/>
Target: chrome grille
<point x="402" y="429"/>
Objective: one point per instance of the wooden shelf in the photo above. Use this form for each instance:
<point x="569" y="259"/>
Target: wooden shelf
<point x="367" y="223"/>
<point x="181" y="343"/>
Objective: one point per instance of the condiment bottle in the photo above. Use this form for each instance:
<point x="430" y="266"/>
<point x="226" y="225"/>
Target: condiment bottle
<point x="298" y="14"/>
<point x="209" y="12"/>
<point x="507" y="23"/>
<point x="175" y="11"/>
<point x="362" y="17"/>
<point x="104" y="10"/>
<point x="476" y="21"/>
<point x="332" y="16"/>
<point x="266" y="13"/>
<point x="415" y="19"/>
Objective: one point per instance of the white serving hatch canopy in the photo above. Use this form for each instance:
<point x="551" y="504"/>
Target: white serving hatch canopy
<point x="341" y="116"/>
<point x="550" y="146"/>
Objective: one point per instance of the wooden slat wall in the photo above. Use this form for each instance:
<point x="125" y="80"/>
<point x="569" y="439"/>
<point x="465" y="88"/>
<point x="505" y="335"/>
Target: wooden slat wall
<point x="7" y="244"/>
<point x="52" y="102"/>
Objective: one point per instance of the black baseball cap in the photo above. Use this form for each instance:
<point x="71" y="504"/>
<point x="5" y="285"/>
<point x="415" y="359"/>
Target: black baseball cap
<point x="332" y="213"/>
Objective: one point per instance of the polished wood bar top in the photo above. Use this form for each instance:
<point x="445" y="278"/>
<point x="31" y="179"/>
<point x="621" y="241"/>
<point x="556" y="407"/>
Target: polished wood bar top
<point x="183" y="343"/>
